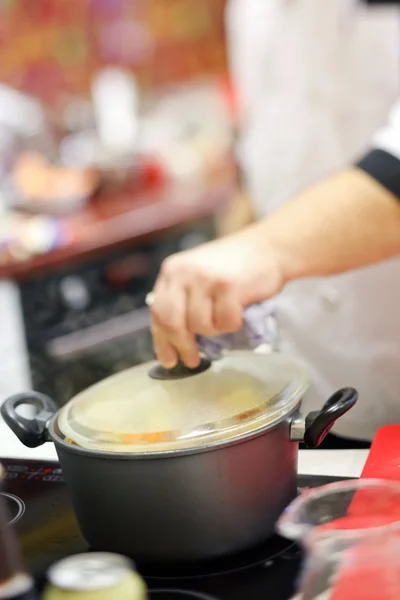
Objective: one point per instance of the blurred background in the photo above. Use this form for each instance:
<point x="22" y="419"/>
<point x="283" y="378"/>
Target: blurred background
<point x="117" y="124"/>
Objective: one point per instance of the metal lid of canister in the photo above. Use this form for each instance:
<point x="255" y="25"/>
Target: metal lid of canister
<point x="90" y="572"/>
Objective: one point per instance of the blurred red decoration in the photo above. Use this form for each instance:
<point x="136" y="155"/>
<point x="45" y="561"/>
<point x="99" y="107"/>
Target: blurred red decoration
<point x="51" y="48"/>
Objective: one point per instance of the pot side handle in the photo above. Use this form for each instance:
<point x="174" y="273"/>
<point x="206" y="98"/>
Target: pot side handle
<point x="31" y="431"/>
<point x="319" y="423"/>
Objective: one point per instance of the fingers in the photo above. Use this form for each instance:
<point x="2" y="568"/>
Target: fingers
<point x="227" y="311"/>
<point x="213" y="312"/>
<point x="168" y="308"/>
<point x="172" y="338"/>
<point x="187" y="302"/>
<point x="199" y="318"/>
<point x="187" y="349"/>
<point x="172" y="346"/>
<point x="166" y="353"/>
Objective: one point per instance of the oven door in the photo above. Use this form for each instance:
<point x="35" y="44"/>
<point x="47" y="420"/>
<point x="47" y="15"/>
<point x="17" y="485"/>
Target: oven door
<point x="82" y="358"/>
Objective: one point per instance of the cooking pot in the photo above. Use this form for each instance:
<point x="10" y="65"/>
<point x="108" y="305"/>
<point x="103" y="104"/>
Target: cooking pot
<point x="181" y="470"/>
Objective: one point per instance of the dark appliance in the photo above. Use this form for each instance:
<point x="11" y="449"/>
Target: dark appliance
<point x="89" y="321"/>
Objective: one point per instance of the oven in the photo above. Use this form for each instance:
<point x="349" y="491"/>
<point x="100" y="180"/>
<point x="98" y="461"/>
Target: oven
<point x="88" y="321"/>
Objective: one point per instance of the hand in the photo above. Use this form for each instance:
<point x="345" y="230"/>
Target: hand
<point x="204" y="291"/>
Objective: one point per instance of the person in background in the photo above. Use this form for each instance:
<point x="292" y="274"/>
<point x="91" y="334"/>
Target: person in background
<point x="315" y="80"/>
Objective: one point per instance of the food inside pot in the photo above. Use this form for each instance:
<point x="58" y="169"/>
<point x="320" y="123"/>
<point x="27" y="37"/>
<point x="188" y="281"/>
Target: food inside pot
<point x="69" y="441"/>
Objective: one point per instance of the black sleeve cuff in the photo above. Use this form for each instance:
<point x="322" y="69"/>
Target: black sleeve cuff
<point x="383" y="167"/>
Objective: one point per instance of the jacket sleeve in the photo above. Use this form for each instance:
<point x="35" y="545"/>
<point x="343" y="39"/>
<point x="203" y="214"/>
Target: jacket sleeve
<point x="383" y="160"/>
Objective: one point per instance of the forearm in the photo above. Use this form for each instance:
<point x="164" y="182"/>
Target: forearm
<point x="345" y="222"/>
<point x="238" y="214"/>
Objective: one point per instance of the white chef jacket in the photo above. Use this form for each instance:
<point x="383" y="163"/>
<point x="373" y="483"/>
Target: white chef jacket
<point x="316" y="79"/>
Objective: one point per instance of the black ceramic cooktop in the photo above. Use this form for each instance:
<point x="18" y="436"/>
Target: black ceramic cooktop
<point x="43" y="517"/>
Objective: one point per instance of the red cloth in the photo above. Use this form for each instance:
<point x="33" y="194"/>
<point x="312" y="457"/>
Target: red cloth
<point x="367" y="573"/>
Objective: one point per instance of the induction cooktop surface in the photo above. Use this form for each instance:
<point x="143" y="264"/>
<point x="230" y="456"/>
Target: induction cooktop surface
<point x="41" y="512"/>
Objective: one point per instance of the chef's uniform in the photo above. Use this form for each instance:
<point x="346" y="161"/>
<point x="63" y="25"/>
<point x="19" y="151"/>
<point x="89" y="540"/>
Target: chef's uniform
<point x="316" y="79"/>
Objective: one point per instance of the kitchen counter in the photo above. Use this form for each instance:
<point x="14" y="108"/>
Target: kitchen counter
<point x="341" y="463"/>
<point x="115" y="219"/>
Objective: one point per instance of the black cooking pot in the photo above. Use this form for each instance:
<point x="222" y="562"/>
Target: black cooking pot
<point x="181" y="470"/>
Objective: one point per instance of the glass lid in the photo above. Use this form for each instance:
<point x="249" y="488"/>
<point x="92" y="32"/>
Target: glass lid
<point x="131" y="412"/>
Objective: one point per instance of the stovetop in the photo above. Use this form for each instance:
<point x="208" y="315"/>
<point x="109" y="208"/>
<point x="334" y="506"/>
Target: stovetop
<point x="41" y="512"/>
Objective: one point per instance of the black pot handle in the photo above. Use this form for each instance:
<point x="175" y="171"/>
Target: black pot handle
<point x="32" y="432"/>
<point x="320" y="422"/>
